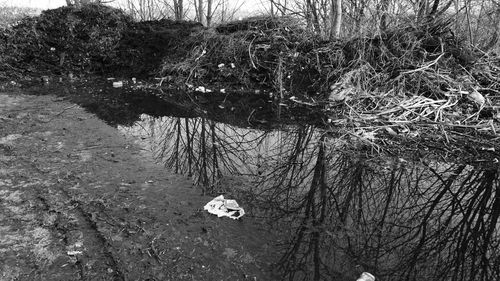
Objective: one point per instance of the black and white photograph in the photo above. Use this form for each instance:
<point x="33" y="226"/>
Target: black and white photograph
<point x="259" y="140"/>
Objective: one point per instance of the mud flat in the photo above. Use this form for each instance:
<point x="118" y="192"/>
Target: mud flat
<point x="81" y="202"/>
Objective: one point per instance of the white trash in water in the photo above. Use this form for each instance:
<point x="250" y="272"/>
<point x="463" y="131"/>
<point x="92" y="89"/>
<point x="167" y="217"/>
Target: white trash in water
<point x="365" y="276"/>
<point x="224" y="208"/>
<point x="118" y="84"/>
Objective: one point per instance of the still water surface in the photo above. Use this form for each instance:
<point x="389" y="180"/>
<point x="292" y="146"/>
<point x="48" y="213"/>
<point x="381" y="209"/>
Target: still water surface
<point x="341" y="211"/>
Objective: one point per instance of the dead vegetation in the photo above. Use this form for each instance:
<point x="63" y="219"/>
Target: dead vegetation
<point x="417" y="78"/>
<point x="91" y="39"/>
<point x="415" y="75"/>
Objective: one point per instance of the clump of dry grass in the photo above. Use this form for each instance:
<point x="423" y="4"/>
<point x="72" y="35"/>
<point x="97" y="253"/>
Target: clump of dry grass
<point x="244" y="54"/>
<point x="416" y="74"/>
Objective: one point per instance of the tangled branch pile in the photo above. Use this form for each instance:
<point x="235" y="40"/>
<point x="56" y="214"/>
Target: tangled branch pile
<point x="416" y="73"/>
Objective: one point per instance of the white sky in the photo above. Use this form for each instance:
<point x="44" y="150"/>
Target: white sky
<point x="44" y="4"/>
<point x="249" y="5"/>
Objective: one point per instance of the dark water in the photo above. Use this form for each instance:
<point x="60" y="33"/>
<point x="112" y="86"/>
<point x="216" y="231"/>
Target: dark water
<point x="340" y="209"/>
<point x="398" y="219"/>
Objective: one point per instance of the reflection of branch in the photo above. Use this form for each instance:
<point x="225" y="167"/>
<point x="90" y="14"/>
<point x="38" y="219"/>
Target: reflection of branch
<point x="205" y="150"/>
<point x="312" y="224"/>
<point x="404" y="223"/>
<point x="400" y="221"/>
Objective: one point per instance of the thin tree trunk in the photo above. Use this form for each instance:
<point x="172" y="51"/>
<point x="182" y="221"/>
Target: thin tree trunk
<point x="181" y="9"/>
<point x="336" y="18"/>
<point x="200" y="10"/>
<point x="314" y="13"/>
<point x="469" y="25"/>
<point x="209" y="12"/>
<point x="456" y="17"/>
<point x="307" y="15"/>
<point x="178" y="9"/>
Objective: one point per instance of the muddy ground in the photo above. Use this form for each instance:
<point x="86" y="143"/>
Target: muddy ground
<point x="79" y="201"/>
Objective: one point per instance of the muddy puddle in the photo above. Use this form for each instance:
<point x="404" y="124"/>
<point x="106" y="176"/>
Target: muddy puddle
<point x="337" y="210"/>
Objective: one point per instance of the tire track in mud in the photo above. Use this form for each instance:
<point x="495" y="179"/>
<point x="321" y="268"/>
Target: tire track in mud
<point x="104" y="244"/>
<point x="90" y="235"/>
<point x="54" y="209"/>
<point x="69" y="229"/>
<point x="93" y="240"/>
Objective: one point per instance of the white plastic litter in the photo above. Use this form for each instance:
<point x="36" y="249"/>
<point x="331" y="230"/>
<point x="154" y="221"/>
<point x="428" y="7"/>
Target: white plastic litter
<point x="224" y="208"/>
<point x="118" y="84"/>
<point x="365" y="276"/>
<point x="200" y="89"/>
<point x="74" y="253"/>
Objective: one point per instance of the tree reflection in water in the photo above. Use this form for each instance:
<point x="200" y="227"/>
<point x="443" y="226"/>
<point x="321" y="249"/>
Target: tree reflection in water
<point x="343" y="213"/>
<point x="202" y="149"/>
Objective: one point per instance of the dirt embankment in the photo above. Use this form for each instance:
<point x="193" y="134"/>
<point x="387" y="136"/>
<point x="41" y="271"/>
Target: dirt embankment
<point x="89" y="39"/>
<point x="415" y="79"/>
<point x="80" y="202"/>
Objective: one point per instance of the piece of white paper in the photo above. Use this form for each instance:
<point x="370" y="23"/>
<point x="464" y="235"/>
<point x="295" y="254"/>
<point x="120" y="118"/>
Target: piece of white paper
<point x="224" y="208"/>
<point x="365" y="276"/>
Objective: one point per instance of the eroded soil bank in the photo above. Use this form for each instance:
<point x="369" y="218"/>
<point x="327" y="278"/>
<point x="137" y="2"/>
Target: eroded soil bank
<point x="78" y="201"/>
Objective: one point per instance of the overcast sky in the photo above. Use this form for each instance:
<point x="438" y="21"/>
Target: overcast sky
<point x="249" y="5"/>
<point x="44" y="4"/>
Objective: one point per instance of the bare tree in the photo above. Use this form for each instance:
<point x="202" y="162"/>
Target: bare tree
<point x="209" y="12"/>
<point x="336" y="18"/>
<point x="179" y="9"/>
<point x="227" y="12"/>
<point x="198" y="6"/>
<point x="157" y="9"/>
